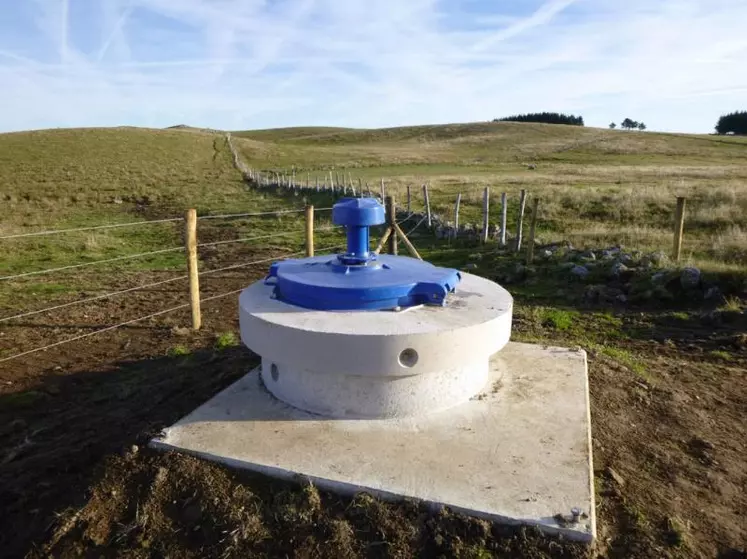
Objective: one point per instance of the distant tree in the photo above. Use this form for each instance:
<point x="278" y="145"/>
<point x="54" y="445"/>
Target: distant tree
<point x="546" y="117"/>
<point x="641" y="126"/>
<point x="612" y="125"/>
<point x="735" y="122"/>
<point x="629" y="124"/>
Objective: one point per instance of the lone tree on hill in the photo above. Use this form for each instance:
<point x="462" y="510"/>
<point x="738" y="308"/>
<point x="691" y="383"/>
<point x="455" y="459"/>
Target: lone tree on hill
<point x="548" y="118"/>
<point x="612" y="125"/>
<point x="641" y="126"/>
<point x="735" y="123"/>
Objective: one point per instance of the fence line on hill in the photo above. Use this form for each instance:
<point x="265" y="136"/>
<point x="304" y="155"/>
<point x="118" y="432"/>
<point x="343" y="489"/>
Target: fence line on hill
<point x="337" y="184"/>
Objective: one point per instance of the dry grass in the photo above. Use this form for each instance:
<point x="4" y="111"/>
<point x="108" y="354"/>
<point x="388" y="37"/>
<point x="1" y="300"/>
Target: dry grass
<point x="596" y="186"/>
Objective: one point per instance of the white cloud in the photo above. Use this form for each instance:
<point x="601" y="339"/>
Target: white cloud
<point x="255" y="63"/>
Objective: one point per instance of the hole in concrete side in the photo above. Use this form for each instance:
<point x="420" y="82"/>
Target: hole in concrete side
<point x="274" y="373"/>
<point x="408" y="358"/>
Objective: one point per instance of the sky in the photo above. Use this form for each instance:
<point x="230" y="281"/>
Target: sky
<point x="245" y="64"/>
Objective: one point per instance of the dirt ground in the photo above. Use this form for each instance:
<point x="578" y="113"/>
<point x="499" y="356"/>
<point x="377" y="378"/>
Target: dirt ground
<point x="76" y="478"/>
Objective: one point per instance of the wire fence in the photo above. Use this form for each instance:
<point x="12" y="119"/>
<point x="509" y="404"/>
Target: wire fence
<point x="153" y="253"/>
<point x="156" y="222"/>
<point x="149" y="316"/>
<point x="191" y="251"/>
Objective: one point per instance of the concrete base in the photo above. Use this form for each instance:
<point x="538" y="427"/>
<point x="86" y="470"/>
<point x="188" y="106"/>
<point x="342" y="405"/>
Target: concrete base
<point x="519" y="452"/>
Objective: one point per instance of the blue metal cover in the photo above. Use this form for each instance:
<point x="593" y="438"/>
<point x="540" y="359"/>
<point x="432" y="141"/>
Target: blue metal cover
<point x="324" y="283"/>
<point x="359" y="279"/>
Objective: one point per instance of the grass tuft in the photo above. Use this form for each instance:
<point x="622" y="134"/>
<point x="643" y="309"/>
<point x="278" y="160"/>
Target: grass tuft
<point x="226" y="340"/>
<point x="178" y="351"/>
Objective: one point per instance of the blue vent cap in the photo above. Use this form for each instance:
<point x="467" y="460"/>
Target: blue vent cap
<point x="358" y="212"/>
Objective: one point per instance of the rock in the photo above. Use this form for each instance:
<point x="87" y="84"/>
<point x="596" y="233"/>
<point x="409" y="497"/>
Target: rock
<point x="475" y="256"/>
<point x="659" y="258"/>
<point x="617" y="269"/>
<point x="690" y="278"/>
<point x="614" y="476"/>
<point x="471" y="266"/>
<point x="566" y="265"/>
<point x="626" y="259"/>
<point x="712" y="293"/>
<point x="580" y="271"/>
<point x="658" y="277"/>
<point x="622" y="298"/>
<point x="531" y="166"/>
<point x="589" y="255"/>
<point x="547" y="254"/>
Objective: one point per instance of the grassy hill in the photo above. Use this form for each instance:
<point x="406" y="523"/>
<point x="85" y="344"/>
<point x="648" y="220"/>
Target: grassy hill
<point x="596" y="186"/>
<point x="58" y="179"/>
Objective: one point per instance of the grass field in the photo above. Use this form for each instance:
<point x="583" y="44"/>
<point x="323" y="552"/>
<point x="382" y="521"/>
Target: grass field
<point x="667" y="389"/>
<point x="596" y="186"/>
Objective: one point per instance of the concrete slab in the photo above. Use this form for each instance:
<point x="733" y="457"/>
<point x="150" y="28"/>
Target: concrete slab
<point x="519" y="452"/>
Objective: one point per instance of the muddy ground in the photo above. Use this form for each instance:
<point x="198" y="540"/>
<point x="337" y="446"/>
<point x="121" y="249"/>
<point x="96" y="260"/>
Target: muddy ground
<point x="76" y="479"/>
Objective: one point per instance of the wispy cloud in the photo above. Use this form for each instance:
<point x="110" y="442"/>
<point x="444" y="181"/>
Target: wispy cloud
<point x="254" y="63"/>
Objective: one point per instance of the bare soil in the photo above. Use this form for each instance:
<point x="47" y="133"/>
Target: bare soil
<point x="76" y="479"/>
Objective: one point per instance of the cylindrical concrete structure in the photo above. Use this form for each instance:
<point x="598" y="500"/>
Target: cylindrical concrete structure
<point x="377" y="364"/>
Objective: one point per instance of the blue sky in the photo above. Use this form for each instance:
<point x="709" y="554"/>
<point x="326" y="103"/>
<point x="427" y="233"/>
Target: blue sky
<point x="237" y="64"/>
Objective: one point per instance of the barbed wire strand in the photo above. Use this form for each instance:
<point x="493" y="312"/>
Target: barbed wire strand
<point x="152" y="315"/>
<point x="270" y="236"/>
<point x="84" y="264"/>
<point x="131" y="289"/>
<point x="410" y="232"/>
<point x="277" y="212"/>
<point x="152" y="222"/>
<point x="91" y="299"/>
<point x="142" y="254"/>
<point x="92" y="228"/>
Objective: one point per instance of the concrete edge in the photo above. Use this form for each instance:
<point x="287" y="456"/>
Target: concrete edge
<point x="350" y="490"/>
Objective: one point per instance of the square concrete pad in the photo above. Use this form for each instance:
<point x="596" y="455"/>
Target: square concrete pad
<point x="519" y="453"/>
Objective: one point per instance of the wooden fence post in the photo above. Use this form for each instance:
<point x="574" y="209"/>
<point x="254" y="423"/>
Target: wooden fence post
<point x="456" y="215"/>
<point x="382" y="189"/>
<point x="520" y="223"/>
<point x="679" y="226"/>
<point x="427" y="204"/>
<point x="409" y="200"/>
<point x="532" y="226"/>
<point x="309" y="230"/>
<point x="190" y="220"/>
<point x="408" y="244"/>
<point x="504" y="209"/>
<point x="485" y="214"/>
<point x="391" y="211"/>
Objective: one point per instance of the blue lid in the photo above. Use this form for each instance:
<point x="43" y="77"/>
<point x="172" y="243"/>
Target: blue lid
<point x="358" y="212"/>
<point x="359" y="279"/>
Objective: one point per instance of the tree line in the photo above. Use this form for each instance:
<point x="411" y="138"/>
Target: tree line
<point x="732" y="123"/>
<point x="546" y="117"/>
